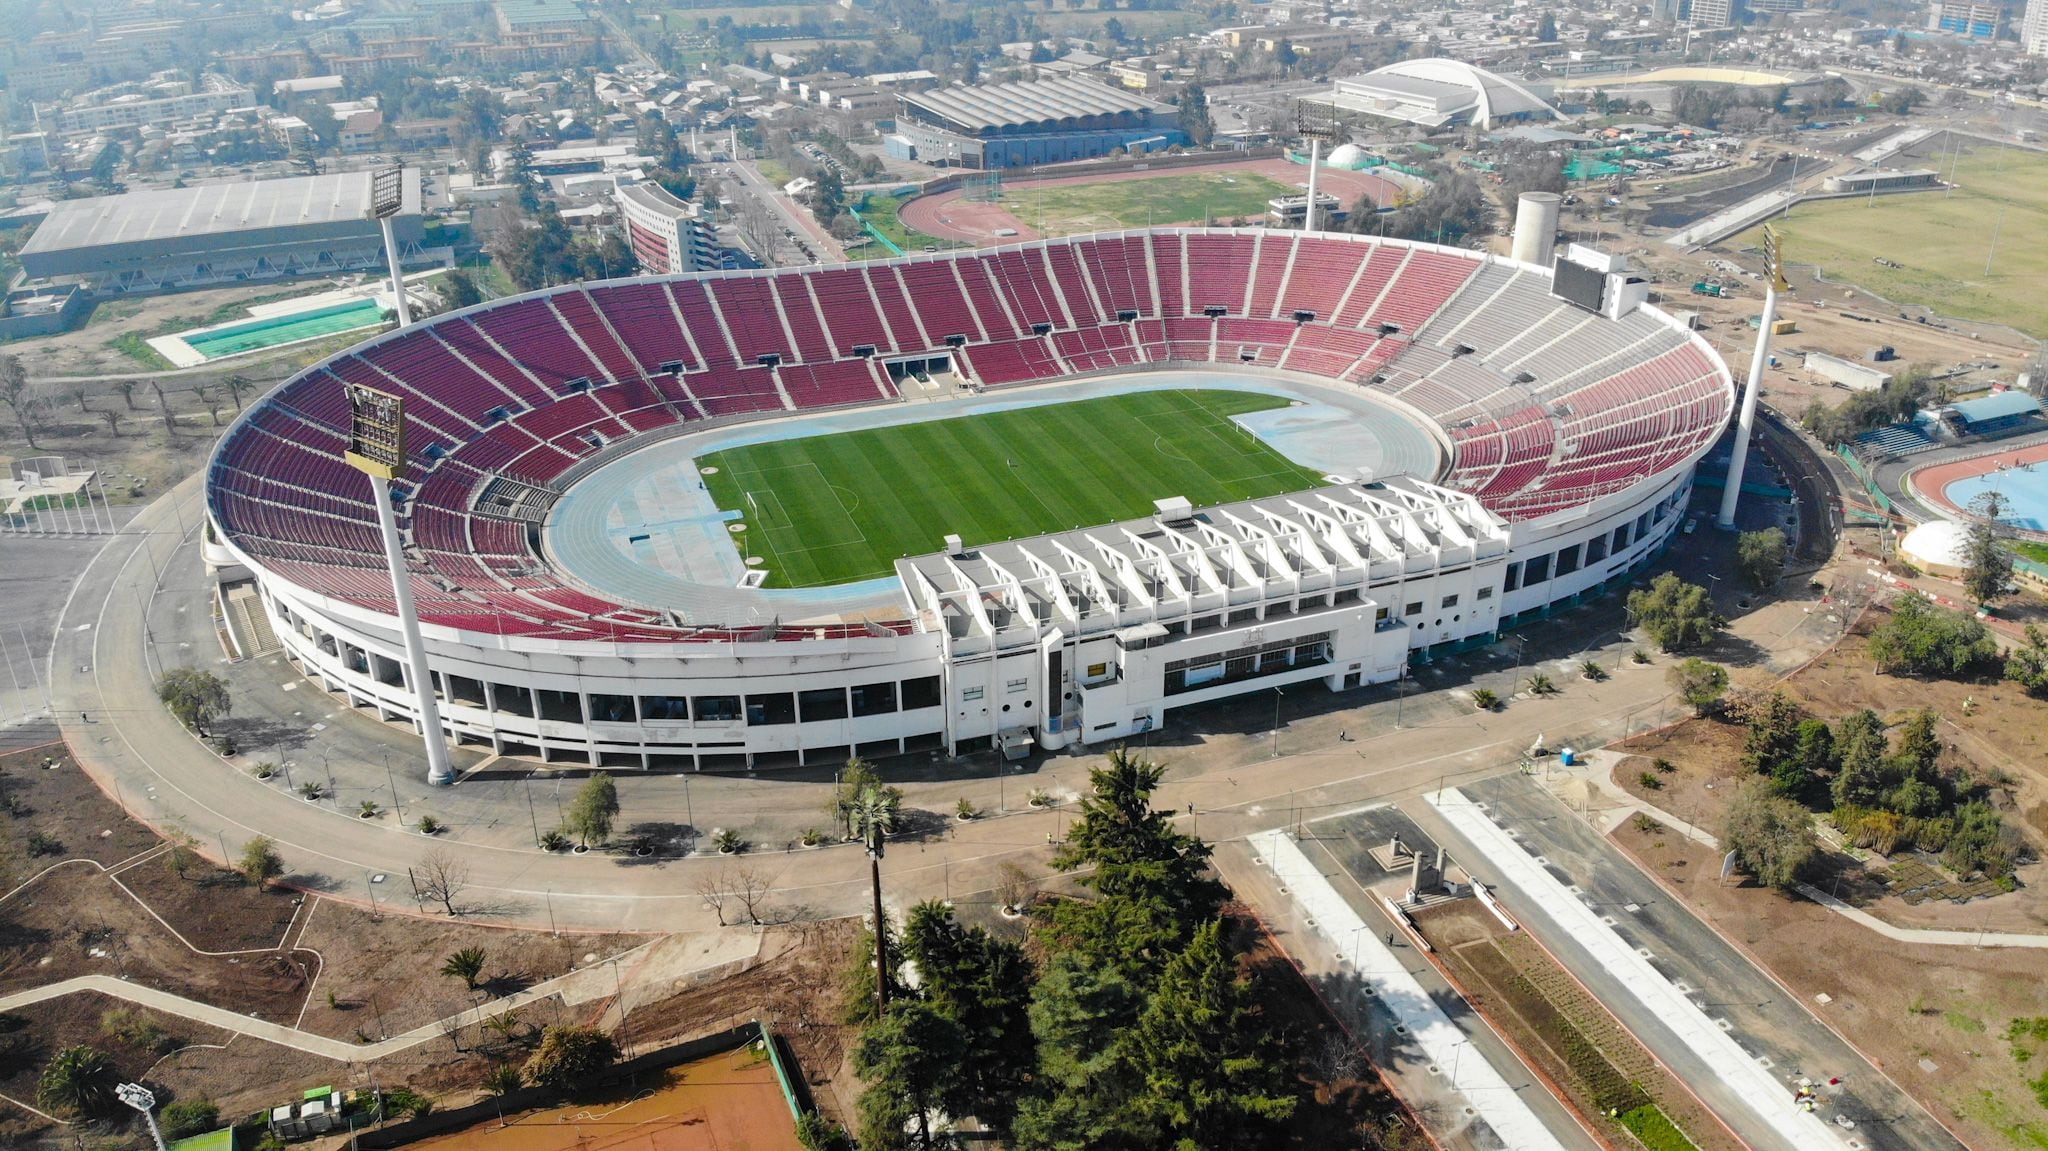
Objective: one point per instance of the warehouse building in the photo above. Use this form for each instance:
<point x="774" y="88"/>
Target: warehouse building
<point x="221" y="233"/>
<point x="1040" y="122"/>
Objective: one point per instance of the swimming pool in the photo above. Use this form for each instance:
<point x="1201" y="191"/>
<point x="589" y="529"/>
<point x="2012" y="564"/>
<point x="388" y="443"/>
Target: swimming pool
<point x="271" y="331"/>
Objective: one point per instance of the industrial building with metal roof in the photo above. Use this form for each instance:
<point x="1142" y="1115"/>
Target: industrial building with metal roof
<point x="1036" y="122"/>
<point x="178" y="237"/>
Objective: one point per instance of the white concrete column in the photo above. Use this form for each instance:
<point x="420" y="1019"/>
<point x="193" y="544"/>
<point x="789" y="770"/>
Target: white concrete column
<point x="439" y="771"/>
<point x="1745" y="423"/>
<point x="1315" y="153"/>
<point x="397" y="275"/>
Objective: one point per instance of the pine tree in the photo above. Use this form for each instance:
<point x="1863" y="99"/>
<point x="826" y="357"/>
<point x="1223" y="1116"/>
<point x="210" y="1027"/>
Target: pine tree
<point x="983" y="984"/>
<point x="1863" y="777"/>
<point x="907" y="1058"/>
<point x="1211" y="1079"/>
<point x="1132" y="847"/>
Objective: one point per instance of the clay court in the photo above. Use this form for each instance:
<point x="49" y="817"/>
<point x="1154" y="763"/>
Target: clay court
<point x="950" y="216"/>
<point x="727" y="1100"/>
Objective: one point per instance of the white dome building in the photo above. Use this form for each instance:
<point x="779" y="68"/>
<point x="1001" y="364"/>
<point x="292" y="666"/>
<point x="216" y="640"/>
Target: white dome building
<point x="1439" y="93"/>
<point x="1349" y="156"/>
<point x="1937" y="547"/>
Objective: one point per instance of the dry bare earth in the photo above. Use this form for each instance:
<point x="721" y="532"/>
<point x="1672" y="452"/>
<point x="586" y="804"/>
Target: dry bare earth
<point x="76" y="919"/>
<point x="1898" y="1003"/>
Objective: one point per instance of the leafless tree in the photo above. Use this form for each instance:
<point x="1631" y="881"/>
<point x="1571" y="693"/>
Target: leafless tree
<point x="127" y="390"/>
<point x="211" y="399"/>
<point x="749" y="888"/>
<point x="711" y="885"/>
<point x="236" y="385"/>
<point x="79" y="392"/>
<point x="163" y="408"/>
<point x="20" y="397"/>
<point x="113" y="418"/>
<point x="441" y="877"/>
<point x="1014" y="885"/>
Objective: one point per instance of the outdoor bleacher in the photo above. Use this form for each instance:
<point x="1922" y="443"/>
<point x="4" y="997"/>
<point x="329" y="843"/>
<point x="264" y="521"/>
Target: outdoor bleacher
<point x="1546" y="407"/>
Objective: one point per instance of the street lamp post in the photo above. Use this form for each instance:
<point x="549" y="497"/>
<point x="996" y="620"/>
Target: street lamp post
<point x="137" y="1096"/>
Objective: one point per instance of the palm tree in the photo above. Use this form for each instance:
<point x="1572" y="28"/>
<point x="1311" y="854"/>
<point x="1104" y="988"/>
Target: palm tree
<point x="873" y="817"/>
<point x="466" y="965"/>
<point x="79" y="1081"/>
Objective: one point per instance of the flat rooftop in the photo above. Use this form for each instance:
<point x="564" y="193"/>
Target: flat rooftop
<point x="214" y="209"/>
<point x="1030" y="104"/>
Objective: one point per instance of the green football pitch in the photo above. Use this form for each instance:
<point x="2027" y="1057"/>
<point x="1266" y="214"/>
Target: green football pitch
<point x="836" y="508"/>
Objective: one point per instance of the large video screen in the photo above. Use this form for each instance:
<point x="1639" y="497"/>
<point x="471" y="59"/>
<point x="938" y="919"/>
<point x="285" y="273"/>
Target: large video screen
<point x="1578" y="284"/>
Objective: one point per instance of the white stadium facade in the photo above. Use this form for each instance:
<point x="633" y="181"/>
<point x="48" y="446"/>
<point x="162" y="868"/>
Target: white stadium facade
<point x="1550" y="453"/>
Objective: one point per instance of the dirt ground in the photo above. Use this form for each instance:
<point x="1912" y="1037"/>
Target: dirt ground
<point x="1933" y="1018"/>
<point x="80" y="910"/>
<point x="2003" y="735"/>
<point x="1520" y="989"/>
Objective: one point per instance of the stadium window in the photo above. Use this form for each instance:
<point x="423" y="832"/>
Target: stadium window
<point x="1596" y="549"/>
<point x="466" y="690"/>
<point x="664" y="707"/>
<point x="1244" y="615"/>
<point x="1413" y="608"/>
<point x="1642" y="525"/>
<point x="821" y="704"/>
<point x="874" y="699"/>
<point x="1348" y="595"/>
<point x="509" y="698"/>
<point x="1204" y="623"/>
<point x="1535" y="570"/>
<point x="920" y="693"/>
<point x="1513" y="578"/>
<point x="611" y="709"/>
<point x="772" y="710"/>
<point x="560" y="706"/>
<point x="1381" y="615"/>
<point x="1621" y="538"/>
<point x="1485" y="593"/>
<point x="1450" y="601"/>
<point x="716" y="708"/>
<point x="1016" y="686"/>
<point x="1097" y="670"/>
<point x="970" y="694"/>
<point x="1568" y="560"/>
<point x="1312" y="603"/>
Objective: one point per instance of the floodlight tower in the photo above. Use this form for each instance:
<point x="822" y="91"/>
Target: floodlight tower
<point x="387" y="198"/>
<point x="1318" y="123"/>
<point x="139" y="1097"/>
<point x="376" y="447"/>
<point x="1745" y="422"/>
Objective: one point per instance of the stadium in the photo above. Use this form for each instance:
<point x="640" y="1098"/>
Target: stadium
<point x="1030" y="496"/>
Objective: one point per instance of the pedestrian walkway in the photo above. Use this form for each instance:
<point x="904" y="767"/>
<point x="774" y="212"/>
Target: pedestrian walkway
<point x="1745" y="1077"/>
<point x="1469" y="1073"/>
<point x="1614" y="804"/>
<point x="661" y="962"/>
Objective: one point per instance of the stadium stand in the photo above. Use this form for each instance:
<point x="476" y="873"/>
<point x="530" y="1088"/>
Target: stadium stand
<point x="1546" y="407"/>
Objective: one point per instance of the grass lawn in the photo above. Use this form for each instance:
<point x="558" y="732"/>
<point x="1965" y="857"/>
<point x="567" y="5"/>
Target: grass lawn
<point x="1656" y="1131"/>
<point x="1181" y="198"/>
<point x="831" y="509"/>
<point x="885" y="213"/>
<point x="1940" y="240"/>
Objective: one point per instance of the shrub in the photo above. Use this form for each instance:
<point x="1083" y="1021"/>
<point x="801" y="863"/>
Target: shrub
<point x="1638" y="656"/>
<point x="728" y="841"/>
<point x="40" y="844"/>
<point x="1922" y="639"/>
<point x="310" y="789"/>
<point x="554" y="841"/>
<point x="1664" y="766"/>
<point x="367" y="809"/>
<point x="183" y="1118"/>
<point x="1539" y="684"/>
<point x="1650" y="781"/>
<point x="570" y="1056"/>
<point x="1592" y="671"/>
<point x="965" y="809"/>
<point x="428" y="825"/>
<point x="407" y="1102"/>
<point x="1485" y="699"/>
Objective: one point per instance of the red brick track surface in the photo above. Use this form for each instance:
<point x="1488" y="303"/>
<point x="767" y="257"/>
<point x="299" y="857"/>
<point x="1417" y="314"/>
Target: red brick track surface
<point x="1932" y="481"/>
<point x="949" y="217"/>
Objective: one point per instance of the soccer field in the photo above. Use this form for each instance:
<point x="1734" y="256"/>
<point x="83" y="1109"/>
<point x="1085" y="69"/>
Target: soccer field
<point x="832" y="509"/>
<point x="1940" y="240"/>
<point x="1186" y="198"/>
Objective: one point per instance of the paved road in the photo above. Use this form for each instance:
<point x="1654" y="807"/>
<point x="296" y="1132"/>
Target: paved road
<point x="1765" y="1020"/>
<point x="1337" y="752"/>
